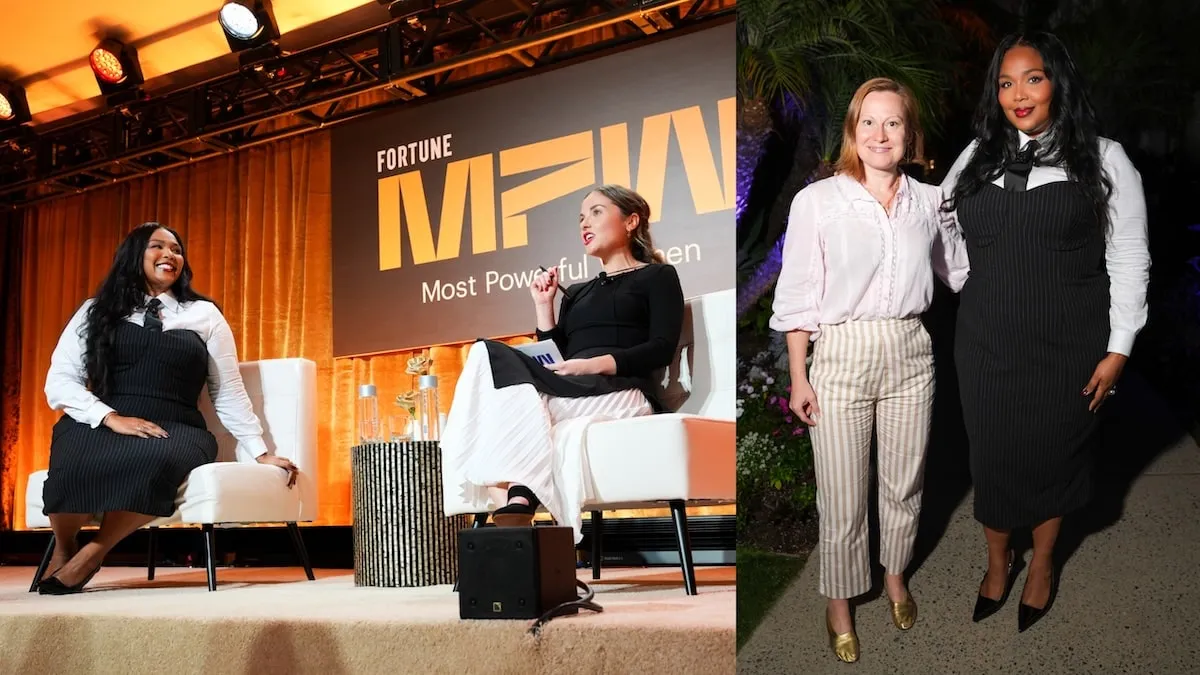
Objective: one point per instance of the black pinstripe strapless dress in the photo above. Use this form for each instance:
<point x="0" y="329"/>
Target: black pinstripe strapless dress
<point x="157" y="376"/>
<point x="1032" y="325"/>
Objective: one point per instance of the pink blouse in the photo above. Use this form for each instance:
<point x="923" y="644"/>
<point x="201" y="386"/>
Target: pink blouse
<point x="845" y="259"/>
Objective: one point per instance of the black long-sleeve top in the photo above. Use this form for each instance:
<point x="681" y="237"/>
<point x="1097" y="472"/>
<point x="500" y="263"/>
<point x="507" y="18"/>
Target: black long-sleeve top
<point x="636" y="317"/>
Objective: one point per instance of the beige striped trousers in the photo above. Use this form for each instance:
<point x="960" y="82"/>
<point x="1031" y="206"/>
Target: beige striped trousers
<point x="869" y="375"/>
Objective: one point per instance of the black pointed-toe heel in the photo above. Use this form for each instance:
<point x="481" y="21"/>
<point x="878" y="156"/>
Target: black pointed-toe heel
<point x="1028" y="615"/>
<point x="52" y="585"/>
<point x="517" y="515"/>
<point x="985" y="606"/>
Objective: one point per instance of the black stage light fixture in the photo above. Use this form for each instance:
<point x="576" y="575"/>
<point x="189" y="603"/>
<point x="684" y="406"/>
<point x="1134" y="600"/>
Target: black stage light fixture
<point x="14" y="108"/>
<point x="117" y="71"/>
<point x="404" y="9"/>
<point x="250" y="30"/>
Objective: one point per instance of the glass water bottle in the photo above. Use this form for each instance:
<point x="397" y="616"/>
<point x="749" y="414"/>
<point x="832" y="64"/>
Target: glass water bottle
<point x="427" y="409"/>
<point x="368" y="415"/>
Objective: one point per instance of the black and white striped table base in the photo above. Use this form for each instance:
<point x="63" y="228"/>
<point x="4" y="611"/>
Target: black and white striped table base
<point x="401" y="535"/>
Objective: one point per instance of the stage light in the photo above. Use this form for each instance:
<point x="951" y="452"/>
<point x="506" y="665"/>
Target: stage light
<point x="239" y="21"/>
<point x="250" y="29"/>
<point x="14" y="109"/>
<point x="117" y="70"/>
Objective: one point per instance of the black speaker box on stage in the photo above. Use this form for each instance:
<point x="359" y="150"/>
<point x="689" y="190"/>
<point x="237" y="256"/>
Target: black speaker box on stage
<point x="515" y="572"/>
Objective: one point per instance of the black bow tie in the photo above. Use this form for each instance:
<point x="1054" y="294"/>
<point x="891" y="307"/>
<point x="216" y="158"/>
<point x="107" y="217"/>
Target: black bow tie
<point x="1016" y="174"/>
<point x="153" y="320"/>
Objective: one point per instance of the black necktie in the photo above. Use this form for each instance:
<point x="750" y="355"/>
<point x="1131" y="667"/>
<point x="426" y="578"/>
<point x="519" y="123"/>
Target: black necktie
<point x="153" y="322"/>
<point x="1016" y="174"/>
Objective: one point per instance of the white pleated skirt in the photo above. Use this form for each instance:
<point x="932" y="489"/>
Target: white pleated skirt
<point x="520" y="435"/>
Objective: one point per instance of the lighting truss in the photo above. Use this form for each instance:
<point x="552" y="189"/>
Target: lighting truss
<point x="450" y="47"/>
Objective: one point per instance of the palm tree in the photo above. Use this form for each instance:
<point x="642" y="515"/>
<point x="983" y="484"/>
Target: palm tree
<point x="800" y="61"/>
<point x="769" y="63"/>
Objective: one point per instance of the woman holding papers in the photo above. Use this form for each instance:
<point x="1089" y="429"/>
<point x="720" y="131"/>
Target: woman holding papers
<point x="859" y="260"/>
<point x="516" y="427"/>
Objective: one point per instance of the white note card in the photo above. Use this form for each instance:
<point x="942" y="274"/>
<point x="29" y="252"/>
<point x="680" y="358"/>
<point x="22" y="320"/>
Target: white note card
<point x="544" y="352"/>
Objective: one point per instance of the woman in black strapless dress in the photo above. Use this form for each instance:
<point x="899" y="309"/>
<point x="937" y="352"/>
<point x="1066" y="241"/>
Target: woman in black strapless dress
<point x="128" y="371"/>
<point x="1055" y="226"/>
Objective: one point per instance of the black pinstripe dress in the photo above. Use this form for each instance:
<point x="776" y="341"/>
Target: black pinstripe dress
<point x="157" y="376"/>
<point x="1032" y="325"/>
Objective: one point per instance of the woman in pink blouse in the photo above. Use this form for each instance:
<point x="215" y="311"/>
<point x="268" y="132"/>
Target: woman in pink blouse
<point x="858" y="264"/>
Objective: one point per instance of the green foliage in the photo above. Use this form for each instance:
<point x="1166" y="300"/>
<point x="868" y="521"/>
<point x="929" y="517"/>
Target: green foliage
<point x="774" y="452"/>
<point x="818" y="52"/>
<point x="756" y="320"/>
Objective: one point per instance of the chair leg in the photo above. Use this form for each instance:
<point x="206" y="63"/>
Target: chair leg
<point x="210" y="555"/>
<point x="480" y="521"/>
<point x="301" y="552"/>
<point x="37" y="576"/>
<point x="597" y="542"/>
<point x="152" y="551"/>
<point x="679" y="515"/>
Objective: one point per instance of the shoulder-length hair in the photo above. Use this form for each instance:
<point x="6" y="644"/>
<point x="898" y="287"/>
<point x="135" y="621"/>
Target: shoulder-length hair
<point x="1074" y="142"/>
<point x="848" y="161"/>
<point x="124" y="290"/>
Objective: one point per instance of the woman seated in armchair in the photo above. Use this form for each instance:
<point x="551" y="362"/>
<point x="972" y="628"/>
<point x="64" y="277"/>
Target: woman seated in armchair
<point x="128" y="371"/>
<point x="516" y="428"/>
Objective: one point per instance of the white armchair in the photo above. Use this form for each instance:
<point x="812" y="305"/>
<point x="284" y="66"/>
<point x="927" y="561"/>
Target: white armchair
<point x="226" y="492"/>
<point x="684" y="458"/>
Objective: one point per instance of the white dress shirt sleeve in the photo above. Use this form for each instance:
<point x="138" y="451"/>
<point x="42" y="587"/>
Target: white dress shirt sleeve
<point x="950" y="261"/>
<point x="66" y="382"/>
<point x="1126" y="250"/>
<point x="951" y="180"/>
<point x="801" y="283"/>
<point x="230" y="400"/>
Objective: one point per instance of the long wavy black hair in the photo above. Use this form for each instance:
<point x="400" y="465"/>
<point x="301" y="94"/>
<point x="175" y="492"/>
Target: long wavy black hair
<point x="122" y="292"/>
<point x="1074" y="142"/>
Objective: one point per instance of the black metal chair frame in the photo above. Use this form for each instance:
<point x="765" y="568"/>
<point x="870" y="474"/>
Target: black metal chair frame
<point x="210" y="553"/>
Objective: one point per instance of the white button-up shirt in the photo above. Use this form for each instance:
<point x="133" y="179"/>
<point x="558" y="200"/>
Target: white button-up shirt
<point x="846" y="259"/>
<point x="1126" y="244"/>
<point x="66" y="383"/>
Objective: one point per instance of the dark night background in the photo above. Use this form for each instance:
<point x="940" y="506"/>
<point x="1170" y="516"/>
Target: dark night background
<point x="800" y="61"/>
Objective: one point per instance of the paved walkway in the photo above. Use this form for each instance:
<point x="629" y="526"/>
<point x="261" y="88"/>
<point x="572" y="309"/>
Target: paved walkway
<point x="1129" y="597"/>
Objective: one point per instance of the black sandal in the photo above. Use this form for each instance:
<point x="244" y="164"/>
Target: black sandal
<point x="517" y="515"/>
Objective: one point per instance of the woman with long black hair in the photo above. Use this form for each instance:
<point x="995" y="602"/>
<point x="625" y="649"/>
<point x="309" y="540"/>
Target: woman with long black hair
<point x="1055" y="225"/>
<point x="128" y="371"/>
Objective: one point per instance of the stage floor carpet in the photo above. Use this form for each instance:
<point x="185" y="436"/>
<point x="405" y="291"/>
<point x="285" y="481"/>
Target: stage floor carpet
<point x="263" y="621"/>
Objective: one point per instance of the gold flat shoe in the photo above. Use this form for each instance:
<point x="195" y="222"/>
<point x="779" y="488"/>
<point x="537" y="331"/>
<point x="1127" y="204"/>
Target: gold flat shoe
<point x="845" y="645"/>
<point x="904" y="613"/>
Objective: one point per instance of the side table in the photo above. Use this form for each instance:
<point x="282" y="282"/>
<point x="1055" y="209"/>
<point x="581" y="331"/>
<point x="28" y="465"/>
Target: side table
<point x="402" y="536"/>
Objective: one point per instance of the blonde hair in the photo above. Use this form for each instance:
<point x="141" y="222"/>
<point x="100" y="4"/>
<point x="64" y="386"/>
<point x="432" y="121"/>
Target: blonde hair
<point x="849" y="162"/>
<point x="632" y="204"/>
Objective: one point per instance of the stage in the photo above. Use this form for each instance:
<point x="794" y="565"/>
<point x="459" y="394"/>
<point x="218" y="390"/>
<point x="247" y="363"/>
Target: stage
<point x="270" y="620"/>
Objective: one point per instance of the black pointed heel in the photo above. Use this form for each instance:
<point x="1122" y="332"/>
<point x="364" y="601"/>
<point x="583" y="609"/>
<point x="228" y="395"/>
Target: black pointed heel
<point x="52" y="585"/>
<point x="1028" y="615"/>
<point x="517" y="515"/>
<point x="985" y="606"/>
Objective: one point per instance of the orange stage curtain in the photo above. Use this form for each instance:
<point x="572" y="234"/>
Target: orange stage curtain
<point x="257" y="225"/>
